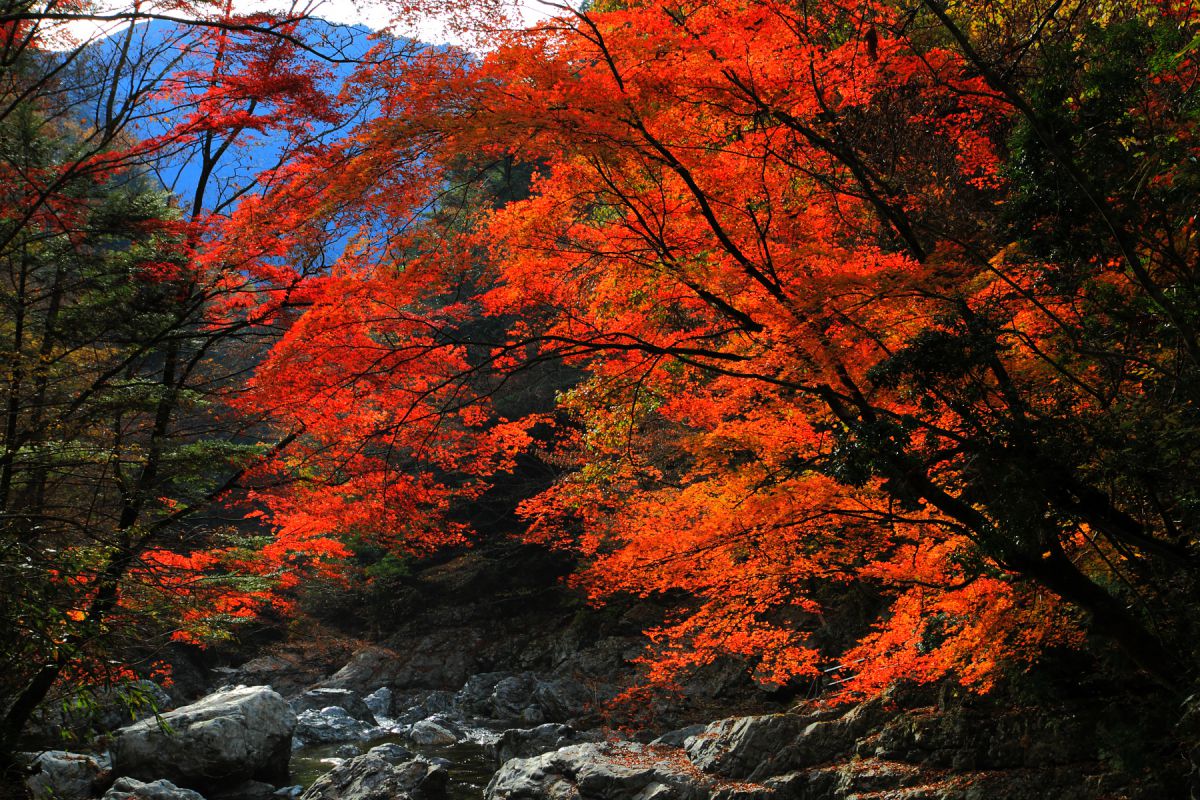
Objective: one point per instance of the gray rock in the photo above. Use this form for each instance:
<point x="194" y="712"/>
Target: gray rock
<point x="513" y="698"/>
<point x="963" y="740"/>
<point x="414" y="706"/>
<point x="391" y="753"/>
<point x="66" y="776"/>
<point x="863" y="776"/>
<point x="379" y="702"/>
<point x="562" y="699"/>
<point x="757" y="747"/>
<point x="796" y="784"/>
<point x="437" y="730"/>
<point x="679" y="737"/>
<point x="611" y="771"/>
<point x="475" y="697"/>
<point x="599" y="660"/>
<point x="527" y="743"/>
<point x="348" y="701"/>
<point x="230" y="736"/>
<point x="737" y="746"/>
<point x="525" y="697"/>
<point x="725" y="677"/>
<point x="371" y="666"/>
<point x="285" y="675"/>
<point x="330" y="725"/>
<point x="133" y="789"/>
<point x="370" y="777"/>
<point x="441" y="660"/>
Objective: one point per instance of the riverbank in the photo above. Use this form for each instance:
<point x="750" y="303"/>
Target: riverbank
<point x="496" y="681"/>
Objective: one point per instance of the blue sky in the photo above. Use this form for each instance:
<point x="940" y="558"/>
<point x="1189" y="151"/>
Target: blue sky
<point x="374" y="14"/>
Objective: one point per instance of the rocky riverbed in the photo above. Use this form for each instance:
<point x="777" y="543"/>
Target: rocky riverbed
<point x="491" y="686"/>
<point x="517" y="736"/>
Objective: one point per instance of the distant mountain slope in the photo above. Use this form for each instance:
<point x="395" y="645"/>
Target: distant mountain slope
<point x="144" y="63"/>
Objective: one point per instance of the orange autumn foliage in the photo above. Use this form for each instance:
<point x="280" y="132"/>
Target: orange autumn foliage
<point x="777" y="239"/>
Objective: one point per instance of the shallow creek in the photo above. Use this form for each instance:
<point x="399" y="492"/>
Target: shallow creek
<point x="469" y="766"/>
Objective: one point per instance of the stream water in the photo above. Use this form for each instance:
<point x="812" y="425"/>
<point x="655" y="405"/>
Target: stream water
<point x="467" y="762"/>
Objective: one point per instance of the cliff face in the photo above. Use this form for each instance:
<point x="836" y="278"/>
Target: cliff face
<point x="500" y="609"/>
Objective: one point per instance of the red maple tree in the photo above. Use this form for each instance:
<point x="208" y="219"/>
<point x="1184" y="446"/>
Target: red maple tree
<point x="861" y="295"/>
